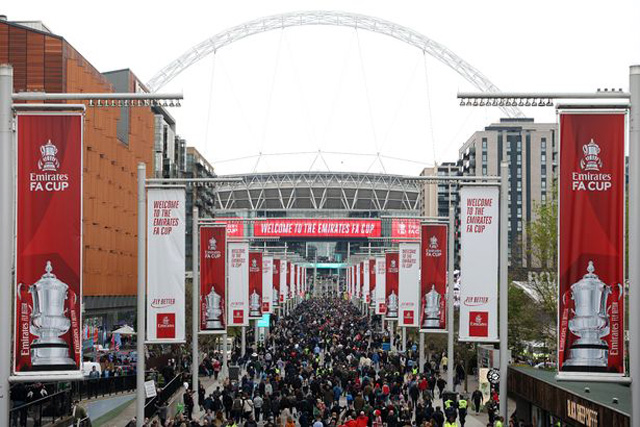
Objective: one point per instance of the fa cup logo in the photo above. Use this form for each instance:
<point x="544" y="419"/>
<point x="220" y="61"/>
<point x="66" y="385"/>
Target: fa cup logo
<point x="591" y="161"/>
<point x="254" y="263"/>
<point x="213" y="245"/>
<point x="48" y="162"/>
<point x="433" y="242"/>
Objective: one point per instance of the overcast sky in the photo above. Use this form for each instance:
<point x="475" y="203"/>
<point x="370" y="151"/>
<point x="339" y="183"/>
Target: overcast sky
<point x="338" y="90"/>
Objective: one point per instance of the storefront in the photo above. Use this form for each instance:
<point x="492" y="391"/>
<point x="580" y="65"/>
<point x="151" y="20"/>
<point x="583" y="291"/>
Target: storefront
<point x="544" y="401"/>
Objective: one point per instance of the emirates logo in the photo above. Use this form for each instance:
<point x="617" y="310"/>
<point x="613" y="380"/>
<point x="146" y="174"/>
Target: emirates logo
<point x="49" y="161"/>
<point x="165" y="320"/>
<point x="591" y="161"/>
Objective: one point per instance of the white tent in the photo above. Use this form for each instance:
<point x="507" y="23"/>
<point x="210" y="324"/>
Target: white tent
<point x="124" y="330"/>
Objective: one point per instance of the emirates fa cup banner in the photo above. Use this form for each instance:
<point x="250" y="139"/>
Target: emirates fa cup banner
<point x="408" y="284"/>
<point x="284" y="290"/>
<point x="165" y="265"/>
<point x="213" y="273"/>
<point x="48" y="268"/>
<point x="591" y="242"/>
<point x="433" y="278"/>
<point x="255" y="285"/>
<point x="358" y="280"/>
<point x="267" y="284"/>
<point x="381" y="288"/>
<point x="479" y="263"/>
<point x="391" y="280"/>
<point x="366" y="287"/>
<point x="275" y="280"/>
<point x="372" y="281"/>
<point x="290" y="280"/>
<point x="238" y="289"/>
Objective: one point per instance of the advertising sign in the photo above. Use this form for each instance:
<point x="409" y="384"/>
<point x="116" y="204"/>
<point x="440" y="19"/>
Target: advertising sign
<point x="479" y="263"/>
<point x="49" y="244"/>
<point x="366" y="287"/>
<point x="381" y="289"/>
<point x="213" y="283"/>
<point x="165" y="265"/>
<point x="235" y="226"/>
<point x="275" y="280"/>
<point x="372" y="280"/>
<point x="391" y="281"/>
<point x="405" y="228"/>
<point x="319" y="228"/>
<point x="591" y="242"/>
<point x="255" y="285"/>
<point x="433" y="278"/>
<point x="409" y="284"/>
<point x="267" y="284"/>
<point x="238" y="289"/>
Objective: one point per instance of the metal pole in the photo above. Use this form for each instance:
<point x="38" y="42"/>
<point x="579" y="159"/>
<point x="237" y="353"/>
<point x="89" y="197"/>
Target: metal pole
<point x="421" y="359"/>
<point x="404" y="338"/>
<point x="142" y="279"/>
<point x="257" y="330"/>
<point x="225" y="358"/>
<point x="392" y="332"/>
<point x="6" y="234"/>
<point x="195" y="301"/>
<point x="244" y="341"/>
<point x="450" y="314"/>
<point x="504" y="290"/>
<point x="634" y="242"/>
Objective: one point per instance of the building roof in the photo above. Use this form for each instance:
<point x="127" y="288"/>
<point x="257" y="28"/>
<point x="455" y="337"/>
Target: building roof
<point x="600" y="393"/>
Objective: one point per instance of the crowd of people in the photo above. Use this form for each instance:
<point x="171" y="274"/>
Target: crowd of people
<point x="324" y="366"/>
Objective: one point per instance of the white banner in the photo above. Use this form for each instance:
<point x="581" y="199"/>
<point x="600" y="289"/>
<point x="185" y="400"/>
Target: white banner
<point x="381" y="290"/>
<point x="284" y="291"/>
<point x="238" y="270"/>
<point x="165" y="265"/>
<point x="358" y="281"/>
<point x="366" y="290"/>
<point x="409" y="284"/>
<point x="479" y="212"/>
<point x="267" y="284"/>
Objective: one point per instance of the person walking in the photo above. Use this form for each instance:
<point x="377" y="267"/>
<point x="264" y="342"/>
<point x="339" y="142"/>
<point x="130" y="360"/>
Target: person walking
<point x="477" y="400"/>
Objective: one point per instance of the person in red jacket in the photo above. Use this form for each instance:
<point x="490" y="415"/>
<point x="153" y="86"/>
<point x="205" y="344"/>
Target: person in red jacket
<point x="362" y="420"/>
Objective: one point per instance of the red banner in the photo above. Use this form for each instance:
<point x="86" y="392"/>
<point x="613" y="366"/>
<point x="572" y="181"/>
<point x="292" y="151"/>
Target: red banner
<point x="255" y="285"/>
<point x="405" y="228"/>
<point x="213" y="292"/>
<point x="372" y="279"/>
<point x="49" y="243"/>
<point x="433" y="277"/>
<point x="591" y="242"/>
<point x="276" y="282"/>
<point x="391" y="277"/>
<point x="235" y="226"/>
<point x="320" y="228"/>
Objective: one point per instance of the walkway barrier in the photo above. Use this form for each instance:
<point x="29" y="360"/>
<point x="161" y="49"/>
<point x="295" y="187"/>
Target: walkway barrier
<point x="43" y="411"/>
<point x="163" y="396"/>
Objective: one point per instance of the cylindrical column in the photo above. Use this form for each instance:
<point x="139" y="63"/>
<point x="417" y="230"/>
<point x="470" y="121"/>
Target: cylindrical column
<point x="404" y="338"/>
<point x="421" y="358"/>
<point x="6" y="234"/>
<point x="450" y="315"/>
<point x="195" y="300"/>
<point x="504" y="289"/>
<point x="634" y="243"/>
<point x="392" y="334"/>
<point x="225" y="358"/>
<point x="142" y="261"/>
<point x="257" y="332"/>
<point x="243" y="348"/>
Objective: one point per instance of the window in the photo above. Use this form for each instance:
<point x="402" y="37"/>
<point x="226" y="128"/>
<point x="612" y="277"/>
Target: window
<point x="543" y="185"/>
<point x="484" y="143"/>
<point x="519" y="197"/>
<point x="519" y="145"/>
<point x="543" y="197"/>
<point x="519" y="185"/>
<point x="543" y="170"/>
<point x="519" y="172"/>
<point x="519" y="213"/>
<point x="519" y="225"/>
<point x="519" y="158"/>
<point x="484" y="157"/>
<point x="484" y="170"/>
<point x="543" y="144"/>
<point x="543" y="158"/>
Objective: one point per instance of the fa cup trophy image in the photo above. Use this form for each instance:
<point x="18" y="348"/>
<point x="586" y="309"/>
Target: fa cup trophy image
<point x="590" y="322"/>
<point x="432" y="309"/>
<point x="49" y="322"/>
<point x="254" y="305"/>
<point x="214" y="309"/>
<point x="392" y="305"/>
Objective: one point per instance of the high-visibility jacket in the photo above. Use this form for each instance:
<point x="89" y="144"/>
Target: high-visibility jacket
<point x="447" y="403"/>
<point x="450" y="424"/>
<point x="462" y="404"/>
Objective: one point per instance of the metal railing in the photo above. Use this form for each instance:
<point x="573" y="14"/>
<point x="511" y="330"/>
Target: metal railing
<point x="163" y="396"/>
<point x="99" y="387"/>
<point x="43" y="411"/>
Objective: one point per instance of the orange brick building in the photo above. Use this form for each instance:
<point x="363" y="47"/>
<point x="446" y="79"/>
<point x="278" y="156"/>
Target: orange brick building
<point x="46" y="62"/>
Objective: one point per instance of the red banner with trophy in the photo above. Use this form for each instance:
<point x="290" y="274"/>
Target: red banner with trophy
<point x="49" y="244"/>
<point x="213" y="290"/>
<point x="433" y="278"/>
<point x="391" y="281"/>
<point x="276" y="282"/>
<point x="591" y="242"/>
<point x="255" y="285"/>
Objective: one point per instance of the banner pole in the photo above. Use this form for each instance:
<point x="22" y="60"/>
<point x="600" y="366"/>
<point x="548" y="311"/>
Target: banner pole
<point x="421" y="358"/>
<point x="195" y="300"/>
<point x="6" y="234"/>
<point x="142" y="231"/>
<point x="244" y="341"/>
<point x="225" y="361"/>
<point x="634" y="242"/>
<point x="450" y="313"/>
<point x="504" y="290"/>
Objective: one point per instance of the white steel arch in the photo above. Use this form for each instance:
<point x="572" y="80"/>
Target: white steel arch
<point x="261" y="25"/>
